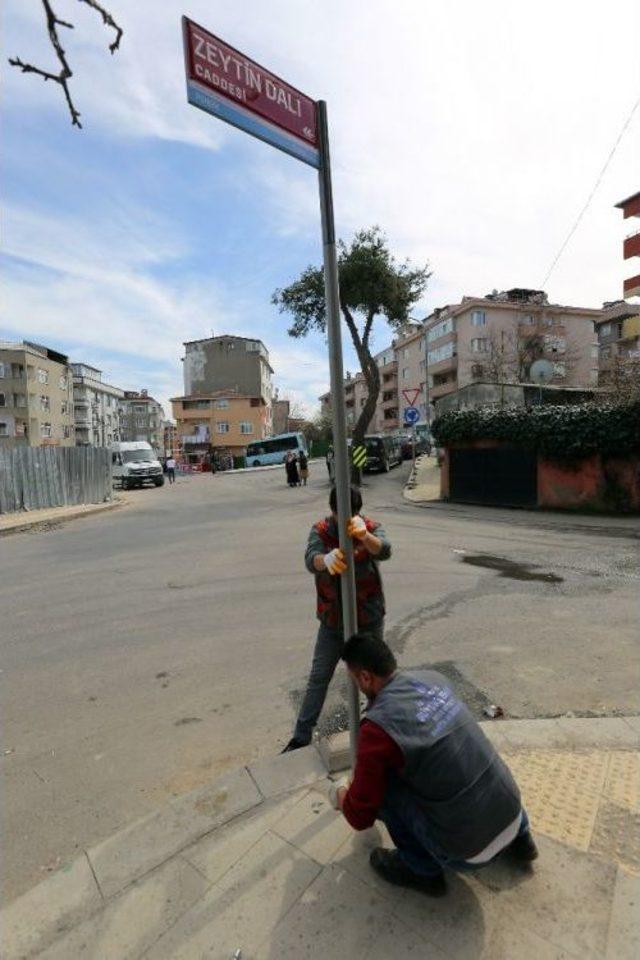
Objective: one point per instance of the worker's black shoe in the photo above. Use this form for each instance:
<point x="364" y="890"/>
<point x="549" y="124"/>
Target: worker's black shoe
<point x="294" y="744"/>
<point x="523" y="848"/>
<point x="389" y="866"/>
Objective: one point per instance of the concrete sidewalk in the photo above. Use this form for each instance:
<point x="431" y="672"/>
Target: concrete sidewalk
<point x="423" y="485"/>
<point x="32" y="519"/>
<point x="259" y="862"/>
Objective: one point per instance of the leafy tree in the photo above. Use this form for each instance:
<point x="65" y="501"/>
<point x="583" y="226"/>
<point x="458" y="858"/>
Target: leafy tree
<point x="372" y="284"/>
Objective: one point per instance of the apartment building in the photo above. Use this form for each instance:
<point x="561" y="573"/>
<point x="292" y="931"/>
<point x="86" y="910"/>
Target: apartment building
<point x="496" y="338"/>
<point x="96" y="407"/>
<point x="141" y="418"/>
<point x="631" y="244"/>
<point x="618" y="332"/>
<point x="36" y="396"/>
<point x="410" y="352"/>
<point x="236" y="365"/>
<point x="219" y="422"/>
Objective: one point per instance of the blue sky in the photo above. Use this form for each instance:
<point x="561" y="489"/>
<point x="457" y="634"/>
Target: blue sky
<point x="472" y="136"/>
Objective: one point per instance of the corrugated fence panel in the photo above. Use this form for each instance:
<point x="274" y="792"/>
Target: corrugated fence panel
<point x="32" y="478"/>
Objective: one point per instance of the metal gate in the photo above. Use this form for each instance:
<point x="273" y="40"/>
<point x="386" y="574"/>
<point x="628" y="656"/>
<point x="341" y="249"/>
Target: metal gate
<point x="500" y="476"/>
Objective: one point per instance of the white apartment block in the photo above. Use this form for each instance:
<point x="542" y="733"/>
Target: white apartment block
<point x="96" y="407"/>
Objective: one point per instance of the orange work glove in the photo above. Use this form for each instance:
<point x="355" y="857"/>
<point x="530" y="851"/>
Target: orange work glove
<point x="357" y="528"/>
<point x="334" y="562"/>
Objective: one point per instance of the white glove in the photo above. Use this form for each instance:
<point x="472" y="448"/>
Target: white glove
<point x="334" y="562"/>
<point x="357" y="528"/>
<point x="333" y="791"/>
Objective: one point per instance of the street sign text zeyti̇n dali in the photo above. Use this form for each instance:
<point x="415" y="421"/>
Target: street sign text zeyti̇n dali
<point x="225" y="83"/>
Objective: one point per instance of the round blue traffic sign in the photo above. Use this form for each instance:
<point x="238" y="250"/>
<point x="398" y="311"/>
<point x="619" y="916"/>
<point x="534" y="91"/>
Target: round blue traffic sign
<point x="411" y="415"/>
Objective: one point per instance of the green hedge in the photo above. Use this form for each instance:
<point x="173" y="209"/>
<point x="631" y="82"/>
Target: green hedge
<point x="559" y="433"/>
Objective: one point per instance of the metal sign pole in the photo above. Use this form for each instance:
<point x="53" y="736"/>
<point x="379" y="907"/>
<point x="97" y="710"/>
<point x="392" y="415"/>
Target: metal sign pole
<point x="413" y="444"/>
<point x="338" y="408"/>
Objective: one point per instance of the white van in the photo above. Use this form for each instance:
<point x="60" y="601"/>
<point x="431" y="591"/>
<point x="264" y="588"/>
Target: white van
<point x="134" y="463"/>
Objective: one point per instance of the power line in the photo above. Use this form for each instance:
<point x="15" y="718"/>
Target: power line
<point x="592" y="194"/>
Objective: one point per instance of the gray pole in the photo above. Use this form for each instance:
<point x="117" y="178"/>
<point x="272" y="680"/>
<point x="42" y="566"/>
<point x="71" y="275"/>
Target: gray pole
<point x="338" y="409"/>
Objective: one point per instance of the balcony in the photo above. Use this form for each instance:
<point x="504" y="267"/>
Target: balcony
<point x="442" y="389"/>
<point x="631" y="246"/>
<point x="444" y="366"/>
<point x="631" y="287"/>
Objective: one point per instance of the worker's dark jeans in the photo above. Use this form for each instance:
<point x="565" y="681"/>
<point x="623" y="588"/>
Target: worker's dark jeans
<point x="326" y="655"/>
<point x="409" y="829"/>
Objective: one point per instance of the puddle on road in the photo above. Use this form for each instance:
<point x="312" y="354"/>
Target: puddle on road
<point x="510" y="568"/>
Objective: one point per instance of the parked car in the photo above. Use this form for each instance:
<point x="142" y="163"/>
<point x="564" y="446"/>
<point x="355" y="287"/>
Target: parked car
<point x="135" y="463"/>
<point x="383" y="452"/>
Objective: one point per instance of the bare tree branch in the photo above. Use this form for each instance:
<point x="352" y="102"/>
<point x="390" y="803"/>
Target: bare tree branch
<point x="62" y="78"/>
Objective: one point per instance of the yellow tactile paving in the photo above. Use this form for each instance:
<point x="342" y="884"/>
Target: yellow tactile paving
<point x="561" y="791"/>
<point x="588" y="800"/>
<point x="622" y="785"/>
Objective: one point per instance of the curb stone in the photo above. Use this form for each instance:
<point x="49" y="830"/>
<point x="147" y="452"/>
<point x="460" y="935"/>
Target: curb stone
<point x="33" y="523"/>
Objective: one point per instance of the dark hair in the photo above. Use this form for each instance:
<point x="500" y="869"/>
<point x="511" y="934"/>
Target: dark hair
<point x="356" y="500"/>
<point x="364" y="652"/>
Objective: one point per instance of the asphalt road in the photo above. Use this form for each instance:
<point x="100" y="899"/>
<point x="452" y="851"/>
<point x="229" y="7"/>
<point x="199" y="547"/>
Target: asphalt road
<point x="147" y="650"/>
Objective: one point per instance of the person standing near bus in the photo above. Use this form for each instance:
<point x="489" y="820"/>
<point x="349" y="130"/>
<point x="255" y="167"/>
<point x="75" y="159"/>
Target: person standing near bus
<point x="303" y="463"/>
<point x="325" y="560"/>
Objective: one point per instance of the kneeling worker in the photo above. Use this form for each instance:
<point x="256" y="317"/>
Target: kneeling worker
<point x="425" y="768"/>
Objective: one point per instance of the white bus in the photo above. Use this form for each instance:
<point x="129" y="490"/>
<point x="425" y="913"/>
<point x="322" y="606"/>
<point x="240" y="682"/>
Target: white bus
<point x="262" y="453"/>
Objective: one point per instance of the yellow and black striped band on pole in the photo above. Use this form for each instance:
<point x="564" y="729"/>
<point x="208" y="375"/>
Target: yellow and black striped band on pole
<point x="359" y="456"/>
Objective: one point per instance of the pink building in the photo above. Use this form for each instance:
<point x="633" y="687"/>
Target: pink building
<point x="496" y="339"/>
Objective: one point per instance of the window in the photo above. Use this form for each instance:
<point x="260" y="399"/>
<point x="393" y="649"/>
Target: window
<point x="605" y="353"/>
<point x="528" y="319"/>
<point x="140" y="422"/>
<point x="549" y="321"/>
<point x="605" y="330"/>
<point x="478" y="318"/>
<point x="2" y="368"/>
<point x="196" y="404"/>
<point x="62" y="382"/>
<point x="559" y="370"/>
<point x="139" y="408"/>
<point x="17" y="371"/>
<point x="2" y="403"/>
<point x="4" y="430"/>
<point x="222" y="426"/>
<point x="45" y="430"/>
<point x="480" y="345"/>
<point x="43" y="376"/>
<point x="246" y="426"/>
<point x="64" y="408"/>
<point x="423" y="364"/>
<point x="44" y="403"/>
<point x="222" y="404"/>
<point x="19" y="400"/>
<point x="440" y="330"/>
<point x="555" y="344"/>
<point x="444" y="352"/>
<point x="66" y="432"/>
<point x="405" y="373"/>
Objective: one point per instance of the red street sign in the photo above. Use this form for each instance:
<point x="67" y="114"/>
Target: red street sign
<point x="411" y="396"/>
<point x="222" y="81"/>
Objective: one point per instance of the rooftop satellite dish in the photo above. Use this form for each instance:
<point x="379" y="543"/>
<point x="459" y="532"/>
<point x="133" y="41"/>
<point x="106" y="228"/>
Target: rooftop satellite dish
<point x="541" y="372"/>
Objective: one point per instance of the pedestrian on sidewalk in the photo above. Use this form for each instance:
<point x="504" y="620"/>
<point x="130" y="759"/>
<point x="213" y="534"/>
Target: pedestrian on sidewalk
<point x="303" y="463"/>
<point x="425" y="768"/>
<point x="324" y="559"/>
<point x="171" y="469"/>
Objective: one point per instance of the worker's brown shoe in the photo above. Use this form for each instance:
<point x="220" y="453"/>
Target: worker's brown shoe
<point x="523" y="848"/>
<point x="389" y="866"/>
